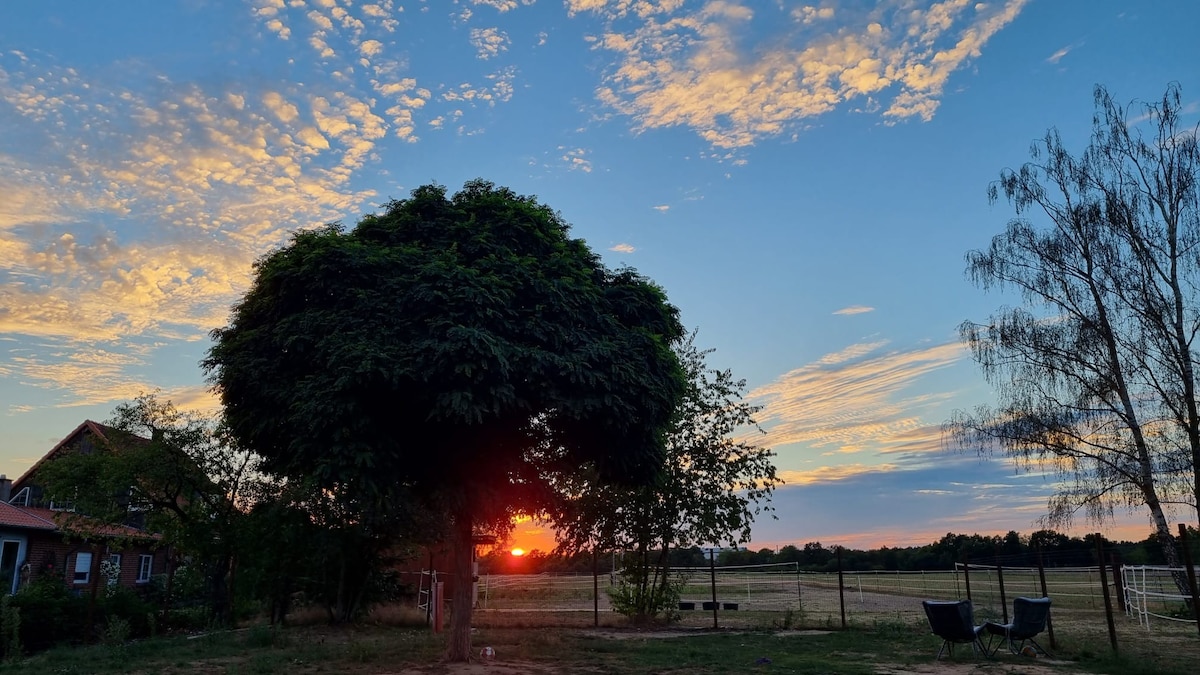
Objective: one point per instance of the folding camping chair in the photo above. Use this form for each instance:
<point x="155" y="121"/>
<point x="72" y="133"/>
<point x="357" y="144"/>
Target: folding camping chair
<point x="1029" y="619"/>
<point x="954" y="622"/>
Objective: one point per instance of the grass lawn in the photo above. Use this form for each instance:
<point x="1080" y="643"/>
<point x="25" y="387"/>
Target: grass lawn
<point x="546" y="649"/>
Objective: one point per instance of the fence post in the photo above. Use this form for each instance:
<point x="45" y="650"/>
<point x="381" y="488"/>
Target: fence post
<point x="799" y="597"/>
<point x="439" y="590"/>
<point x="1191" y="572"/>
<point x="1045" y="594"/>
<point x="1112" y="628"/>
<point x="595" y="588"/>
<point x="1000" y="581"/>
<point x="1115" y="560"/>
<point x="967" y="575"/>
<point x="712" y="574"/>
<point x="841" y="587"/>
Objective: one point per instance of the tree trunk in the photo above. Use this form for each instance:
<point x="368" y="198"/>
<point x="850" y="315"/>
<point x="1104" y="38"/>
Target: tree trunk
<point x="459" y="647"/>
<point x="218" y="590"/>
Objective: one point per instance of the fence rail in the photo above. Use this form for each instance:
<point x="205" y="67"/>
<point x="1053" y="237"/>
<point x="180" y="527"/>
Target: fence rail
<point x="1153" y="592"/>
<point x="1143" y="593"/>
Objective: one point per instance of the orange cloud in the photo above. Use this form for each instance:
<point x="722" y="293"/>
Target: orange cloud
<point x="858" y="397"/>
<point x="681" y="65"/>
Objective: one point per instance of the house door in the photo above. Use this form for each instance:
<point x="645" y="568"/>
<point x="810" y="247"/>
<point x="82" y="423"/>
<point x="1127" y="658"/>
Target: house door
<point x="8" y="565"/>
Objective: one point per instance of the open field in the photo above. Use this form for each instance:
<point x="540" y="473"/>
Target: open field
<point x="869" y="596"/>
<point x="565" y="642"/>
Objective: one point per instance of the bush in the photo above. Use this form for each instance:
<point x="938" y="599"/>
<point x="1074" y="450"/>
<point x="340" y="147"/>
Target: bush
<point x="124" y="605"/>
<point x="50" y="615"/>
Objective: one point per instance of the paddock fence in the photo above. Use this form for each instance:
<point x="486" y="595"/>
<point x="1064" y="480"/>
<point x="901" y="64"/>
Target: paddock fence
<point x="1141" y="598"/>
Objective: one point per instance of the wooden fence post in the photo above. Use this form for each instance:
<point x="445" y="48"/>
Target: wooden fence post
<point x="841" y="586"/>
<point x="1045" y="594"/>
<point x="1000" y="581"/>
<point x="1191" y="573"/>
<point x="1112" y="628"/>
<point x="1118" y="587"/>
<point x="595" y="589"/>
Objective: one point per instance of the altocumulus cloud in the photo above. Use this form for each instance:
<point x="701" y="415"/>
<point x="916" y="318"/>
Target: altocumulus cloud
<point x="737" y="72"/>
<point x="134" y="205"/>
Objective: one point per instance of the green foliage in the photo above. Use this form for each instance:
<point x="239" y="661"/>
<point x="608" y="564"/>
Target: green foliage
<point x="116" y="631"/>
<point x="641" y="596"/>
<point x="712" y="487"/>
<point x="347" y="548"/>
<point x="10" y="629"/>
<point x="398" y="352"/>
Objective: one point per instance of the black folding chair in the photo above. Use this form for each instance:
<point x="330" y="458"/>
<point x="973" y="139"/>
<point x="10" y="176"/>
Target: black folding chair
<point x="954" y="622"/>
<point x="1029" y="619"/>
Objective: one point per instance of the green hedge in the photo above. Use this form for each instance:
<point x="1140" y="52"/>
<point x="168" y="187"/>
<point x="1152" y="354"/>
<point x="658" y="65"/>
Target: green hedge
<point x="49" y="614"/>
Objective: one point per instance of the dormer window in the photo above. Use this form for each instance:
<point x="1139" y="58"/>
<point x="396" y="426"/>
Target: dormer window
<point x="21" y="498"/>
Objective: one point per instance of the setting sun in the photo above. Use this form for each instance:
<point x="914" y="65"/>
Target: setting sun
<point x="518" y="552"/>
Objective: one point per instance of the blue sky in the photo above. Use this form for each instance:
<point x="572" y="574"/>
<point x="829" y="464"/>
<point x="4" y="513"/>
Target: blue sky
<point x="803" y="179"/>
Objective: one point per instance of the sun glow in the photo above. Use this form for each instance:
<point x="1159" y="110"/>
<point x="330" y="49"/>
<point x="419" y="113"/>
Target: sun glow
<point x="518" y="552"/>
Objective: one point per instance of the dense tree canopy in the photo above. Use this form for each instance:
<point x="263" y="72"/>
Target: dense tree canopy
<point x="457" y="345"/>
<point x="399" y="350"/>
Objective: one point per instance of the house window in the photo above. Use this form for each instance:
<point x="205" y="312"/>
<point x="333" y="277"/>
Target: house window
<point x="83" y="568"/>
<point x="111" y="569"/>
<point x="145" y="564"/>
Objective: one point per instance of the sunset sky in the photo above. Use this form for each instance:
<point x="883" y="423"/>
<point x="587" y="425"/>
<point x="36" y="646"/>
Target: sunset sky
<point x="804" y="181"/>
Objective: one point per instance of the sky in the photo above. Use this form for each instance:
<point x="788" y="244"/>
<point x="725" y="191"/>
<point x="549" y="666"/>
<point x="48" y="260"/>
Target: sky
<point x="802" y="179"/>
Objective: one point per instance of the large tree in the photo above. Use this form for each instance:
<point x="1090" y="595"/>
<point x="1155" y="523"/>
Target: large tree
<point x="1095" y="370"/>
<point x="715" y="482"/>
<point x="456" y="346"/>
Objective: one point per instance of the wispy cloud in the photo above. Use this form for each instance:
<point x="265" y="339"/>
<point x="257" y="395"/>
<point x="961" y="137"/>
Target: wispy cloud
<point x="859" y="397"/>
<point x="693" y="66"/>
<point x="662" y="208"/>
<point x="1057" y="56"/>
<point x="623" y="248"/>
<point x="854" y="309"/>
<point x="827" y="474"/>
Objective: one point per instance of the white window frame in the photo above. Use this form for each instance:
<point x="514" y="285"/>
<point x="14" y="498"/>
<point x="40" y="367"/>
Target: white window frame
<point x="145" y="568"/>
<point x="87" y="567"/>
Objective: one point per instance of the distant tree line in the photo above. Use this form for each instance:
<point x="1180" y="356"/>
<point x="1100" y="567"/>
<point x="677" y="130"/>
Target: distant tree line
<point x="1012" y="550"/>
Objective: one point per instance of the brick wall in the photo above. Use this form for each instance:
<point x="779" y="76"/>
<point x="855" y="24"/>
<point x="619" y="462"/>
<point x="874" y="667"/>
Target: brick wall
<point x="50" y="554"/>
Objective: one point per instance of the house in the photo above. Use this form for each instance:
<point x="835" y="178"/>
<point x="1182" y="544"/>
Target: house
<point x="42" y="535"/>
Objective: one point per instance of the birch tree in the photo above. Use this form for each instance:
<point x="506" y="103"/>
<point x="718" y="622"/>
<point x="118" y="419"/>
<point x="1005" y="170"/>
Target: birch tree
<point x="1095" y="369"/>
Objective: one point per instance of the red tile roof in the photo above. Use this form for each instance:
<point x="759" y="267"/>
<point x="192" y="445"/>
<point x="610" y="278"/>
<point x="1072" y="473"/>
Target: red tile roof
<point x="68" y="520"/>
<point x="19" y="516"/>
